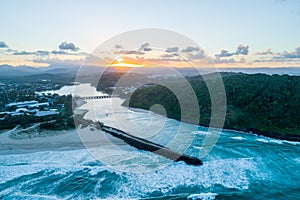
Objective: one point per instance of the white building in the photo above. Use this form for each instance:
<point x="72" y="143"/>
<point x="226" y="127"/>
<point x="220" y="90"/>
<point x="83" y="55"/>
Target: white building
<point x="22" y="104"/>
<point x="46" y="113"/>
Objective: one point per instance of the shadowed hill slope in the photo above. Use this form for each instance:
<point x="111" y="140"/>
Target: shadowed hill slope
<point x="260" y="103"/>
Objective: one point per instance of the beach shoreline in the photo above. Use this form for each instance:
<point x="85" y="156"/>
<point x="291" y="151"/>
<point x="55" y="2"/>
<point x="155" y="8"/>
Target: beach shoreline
<point x="57" y="140"/>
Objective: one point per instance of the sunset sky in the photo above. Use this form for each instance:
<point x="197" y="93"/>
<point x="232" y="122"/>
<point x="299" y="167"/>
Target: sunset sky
<point x="233" y="33"/>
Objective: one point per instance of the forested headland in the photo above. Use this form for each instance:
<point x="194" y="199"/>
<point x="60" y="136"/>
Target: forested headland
<point x="258" y="103"/>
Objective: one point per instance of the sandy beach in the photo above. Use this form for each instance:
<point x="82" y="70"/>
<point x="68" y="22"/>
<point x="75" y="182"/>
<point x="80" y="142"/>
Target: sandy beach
<point x="56" y="140"/>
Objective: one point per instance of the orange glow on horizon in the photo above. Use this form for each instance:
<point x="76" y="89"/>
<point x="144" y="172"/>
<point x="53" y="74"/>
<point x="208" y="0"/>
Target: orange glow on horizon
<point x="123" y="64"/>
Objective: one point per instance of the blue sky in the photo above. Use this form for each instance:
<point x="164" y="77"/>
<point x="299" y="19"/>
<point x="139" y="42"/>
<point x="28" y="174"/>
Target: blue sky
<point x="215" y="25"/>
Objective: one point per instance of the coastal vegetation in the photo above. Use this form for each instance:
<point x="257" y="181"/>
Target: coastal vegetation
<point x="259" y="103"/>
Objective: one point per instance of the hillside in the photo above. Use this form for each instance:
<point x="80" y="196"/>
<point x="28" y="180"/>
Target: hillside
<point x="263" y="104"/>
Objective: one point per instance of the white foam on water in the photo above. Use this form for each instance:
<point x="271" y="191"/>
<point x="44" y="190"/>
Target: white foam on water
<point x="276" y="141"/>
<point x="197" y="147"/>
<point x="200" y="132"/>
<point x="59" y="158"/>
<point x="262" y="140"/>
<point x="270" y="140"/>
<point x="16" y="165"/>
<point x="12" y="172"/>
<point x="22" y="195"/>
<point x="297" y="160"/>
<point x="202" y="196"/>
<point x="230" y="173"/>
<point x="292" y="142"/>
<point x="238" y="138"/>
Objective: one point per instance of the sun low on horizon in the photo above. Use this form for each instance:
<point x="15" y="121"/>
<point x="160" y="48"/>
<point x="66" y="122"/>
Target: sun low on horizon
<point x="122" y="63"/>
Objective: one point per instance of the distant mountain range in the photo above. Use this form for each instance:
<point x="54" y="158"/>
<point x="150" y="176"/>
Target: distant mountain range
<point x="53" y="72"/>
<point x="8" y="71"/>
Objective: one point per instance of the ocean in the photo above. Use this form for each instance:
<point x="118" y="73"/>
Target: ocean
<point x="239" y="166"/>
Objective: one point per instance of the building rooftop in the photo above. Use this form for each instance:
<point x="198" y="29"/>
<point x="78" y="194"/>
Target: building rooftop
<point x="22" y="104"/>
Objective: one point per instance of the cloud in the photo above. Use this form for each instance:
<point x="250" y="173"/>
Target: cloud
<point x="280" y="56"/>
<point x="240" y="50"/>
<point x="266" y="52"/>
<point x="129" y="52"/>
<point x="140" y="51"/>
<point x="118" y="46"/>
<point x="168" y="59"/>
<point x="46" y="53"/>
<point x="22" y="53"/>
<point x="190" y="49"/>
<point x="198" y="55"/>
<point x="285" y="56"/>
<point x="61" y="52"/>
<point x="145" y="47"/>
<point x="293" y="54"/>
<point x="242" y="60"/>
<point x="57" y="61"/>
<point x="42" y="53"/>
<point x="229" y="61"/>
<point x="192" y="53"/>
<point x="172" y="49"/>
<point x="7" y="51"/>
<point x="38" y="53"/>
<point x="264" y="60"/>
<point x="3" y="45"/>
<point x="169" y="55"/>
<point x="222" y="61"/>
<point x="275" y="60"/>
<point x="68" y="46"/>
<point x="224" y="53"/>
